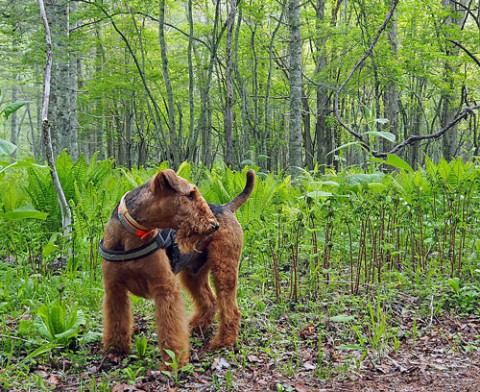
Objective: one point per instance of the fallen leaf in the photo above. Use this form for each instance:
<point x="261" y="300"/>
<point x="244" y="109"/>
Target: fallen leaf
<point x="309" y="366"/>
<point x="300" y="387"/>
<point x="54" y="379"/>
<point x="220" y="363"/>
<point x="118" y="387"/>
<point x="253" y="358"/>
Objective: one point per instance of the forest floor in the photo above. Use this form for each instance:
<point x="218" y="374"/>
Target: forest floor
<point x="437" y="354"/>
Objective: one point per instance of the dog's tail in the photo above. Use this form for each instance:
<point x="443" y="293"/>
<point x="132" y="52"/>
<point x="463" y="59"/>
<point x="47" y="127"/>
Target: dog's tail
<point x="238" y="201"/>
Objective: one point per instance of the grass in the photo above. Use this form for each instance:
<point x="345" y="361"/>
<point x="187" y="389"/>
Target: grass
<point x="330" y="337"/>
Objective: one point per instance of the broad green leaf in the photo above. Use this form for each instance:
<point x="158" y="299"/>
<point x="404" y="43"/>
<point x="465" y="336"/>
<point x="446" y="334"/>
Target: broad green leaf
<point x="315" y="194"/>
<point x="13" y="107"/>
<point x="341" y="318"/>
<point x="26" y="212"/>
<point x="6" y="148"/>
<point x="399" y="163"/>
<point x="384" y="135"/>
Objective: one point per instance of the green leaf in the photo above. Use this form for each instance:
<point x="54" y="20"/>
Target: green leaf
<point x="26" y="212"/>
<point x="355" y="347"/>
<point x="361" y="178"/>
<point x="454" y="283"/>
<point x="13" y="107"/>
<point x="6" y="148"/>
<point x="397" y="162"/>
<point x="41" y="350"/>
<point x="315" y="194"/>
<point x="341" y="318"/>
<point x="384" y="135"/>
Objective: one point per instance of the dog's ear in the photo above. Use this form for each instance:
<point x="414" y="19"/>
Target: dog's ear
<point x="168" y="179"/>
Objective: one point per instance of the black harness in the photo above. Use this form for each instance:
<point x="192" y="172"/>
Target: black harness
<point x="163" y="240"/>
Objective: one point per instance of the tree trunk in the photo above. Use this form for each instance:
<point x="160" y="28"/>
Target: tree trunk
<point x="62" y="114"/>
<point x="191" y="147"/>
<point x="46" y="131"/>
<point x="295" y="80"/>
<point x="323" y="132"/>
<point x="175" y="152"/>
<point x="448" y="110"/>
<point x="391" y="96"/>
<point x="228" y="116"/>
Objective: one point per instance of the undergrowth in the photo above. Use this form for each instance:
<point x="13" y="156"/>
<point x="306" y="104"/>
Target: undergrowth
<point x="329" y="269"/>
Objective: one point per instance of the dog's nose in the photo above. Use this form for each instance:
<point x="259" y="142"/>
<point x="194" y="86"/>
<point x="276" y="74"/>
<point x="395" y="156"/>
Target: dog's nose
<point x="215" y="225"/>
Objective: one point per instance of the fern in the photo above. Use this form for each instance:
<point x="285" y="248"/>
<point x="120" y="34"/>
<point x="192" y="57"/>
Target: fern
<point x="43" y="197"/>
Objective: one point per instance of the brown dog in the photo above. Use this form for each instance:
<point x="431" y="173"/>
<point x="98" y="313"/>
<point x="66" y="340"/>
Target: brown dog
<point x="218" y="255"/>
<point x="134" y="259"/>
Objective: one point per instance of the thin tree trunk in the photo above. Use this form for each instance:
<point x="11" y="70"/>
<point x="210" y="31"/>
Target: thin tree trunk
<point x="14" y="123"/>
<point x="175" y="150"/>
<point x="62" y="113"/>
<point x="295" y="80"/>
<point x="228" y="120"/>
<point x="391" y="96"/>
<point x="323" y="132"/>
<point x="46" y="132"/>
<point x="191" y="147"/>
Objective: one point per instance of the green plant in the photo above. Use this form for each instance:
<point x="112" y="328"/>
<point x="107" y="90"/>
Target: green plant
<point x="133" y="374"/>
<point x="141" y="344"/>
<point x="58" y="325"/>
<point x="175" y="373"/>
<point x="465" y="297"/>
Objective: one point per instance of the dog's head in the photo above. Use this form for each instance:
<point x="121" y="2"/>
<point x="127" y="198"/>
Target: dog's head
<point x="179" y="205"/>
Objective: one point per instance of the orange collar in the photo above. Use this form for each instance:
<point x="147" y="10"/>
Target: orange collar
<point x="130" y="223"/>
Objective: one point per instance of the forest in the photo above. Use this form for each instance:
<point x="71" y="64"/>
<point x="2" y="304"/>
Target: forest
<point x="360" y="268"/>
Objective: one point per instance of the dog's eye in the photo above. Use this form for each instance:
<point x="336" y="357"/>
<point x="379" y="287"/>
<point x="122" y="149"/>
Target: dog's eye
<point x="191" y="195"/>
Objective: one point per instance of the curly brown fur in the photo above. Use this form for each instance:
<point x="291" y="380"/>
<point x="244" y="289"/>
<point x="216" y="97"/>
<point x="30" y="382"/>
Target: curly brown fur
<point x="166" y="201"/>
<point x="218" y="256"/>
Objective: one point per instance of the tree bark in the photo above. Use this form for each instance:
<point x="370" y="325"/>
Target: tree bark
<point x="62" y="114"/>
<point x="295" y="81"/>
<point x="175" y="150"/>
<point x="228" y="116"/>
<point x="323" y="132"/>
<point x="391" y="96"/>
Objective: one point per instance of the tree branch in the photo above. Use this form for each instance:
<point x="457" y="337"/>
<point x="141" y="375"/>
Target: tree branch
<point x="364" y="143"/>
<point x="412" y="139"/>
<point x="469" y="54"/>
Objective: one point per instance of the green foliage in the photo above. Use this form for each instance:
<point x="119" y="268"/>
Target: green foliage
<point x="57" y="324"/>
<point x="335" y="250"/>
<point x="176" y="371"/>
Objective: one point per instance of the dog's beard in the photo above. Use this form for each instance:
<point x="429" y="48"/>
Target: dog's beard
<point x="187" y="240"/>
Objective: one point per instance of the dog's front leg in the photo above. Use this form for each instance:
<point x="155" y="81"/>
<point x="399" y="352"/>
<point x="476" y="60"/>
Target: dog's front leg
<point x="172" y="327"/>
<point x="117" y="319"/>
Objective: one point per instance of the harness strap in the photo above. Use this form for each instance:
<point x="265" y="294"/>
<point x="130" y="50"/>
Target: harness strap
<point x="162" y="240"/>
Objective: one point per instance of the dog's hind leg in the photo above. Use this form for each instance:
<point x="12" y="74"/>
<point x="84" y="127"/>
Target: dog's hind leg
<point x="172" y="328"/>
<point x="229" y="323"/>
<point x="203" y="299"/>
